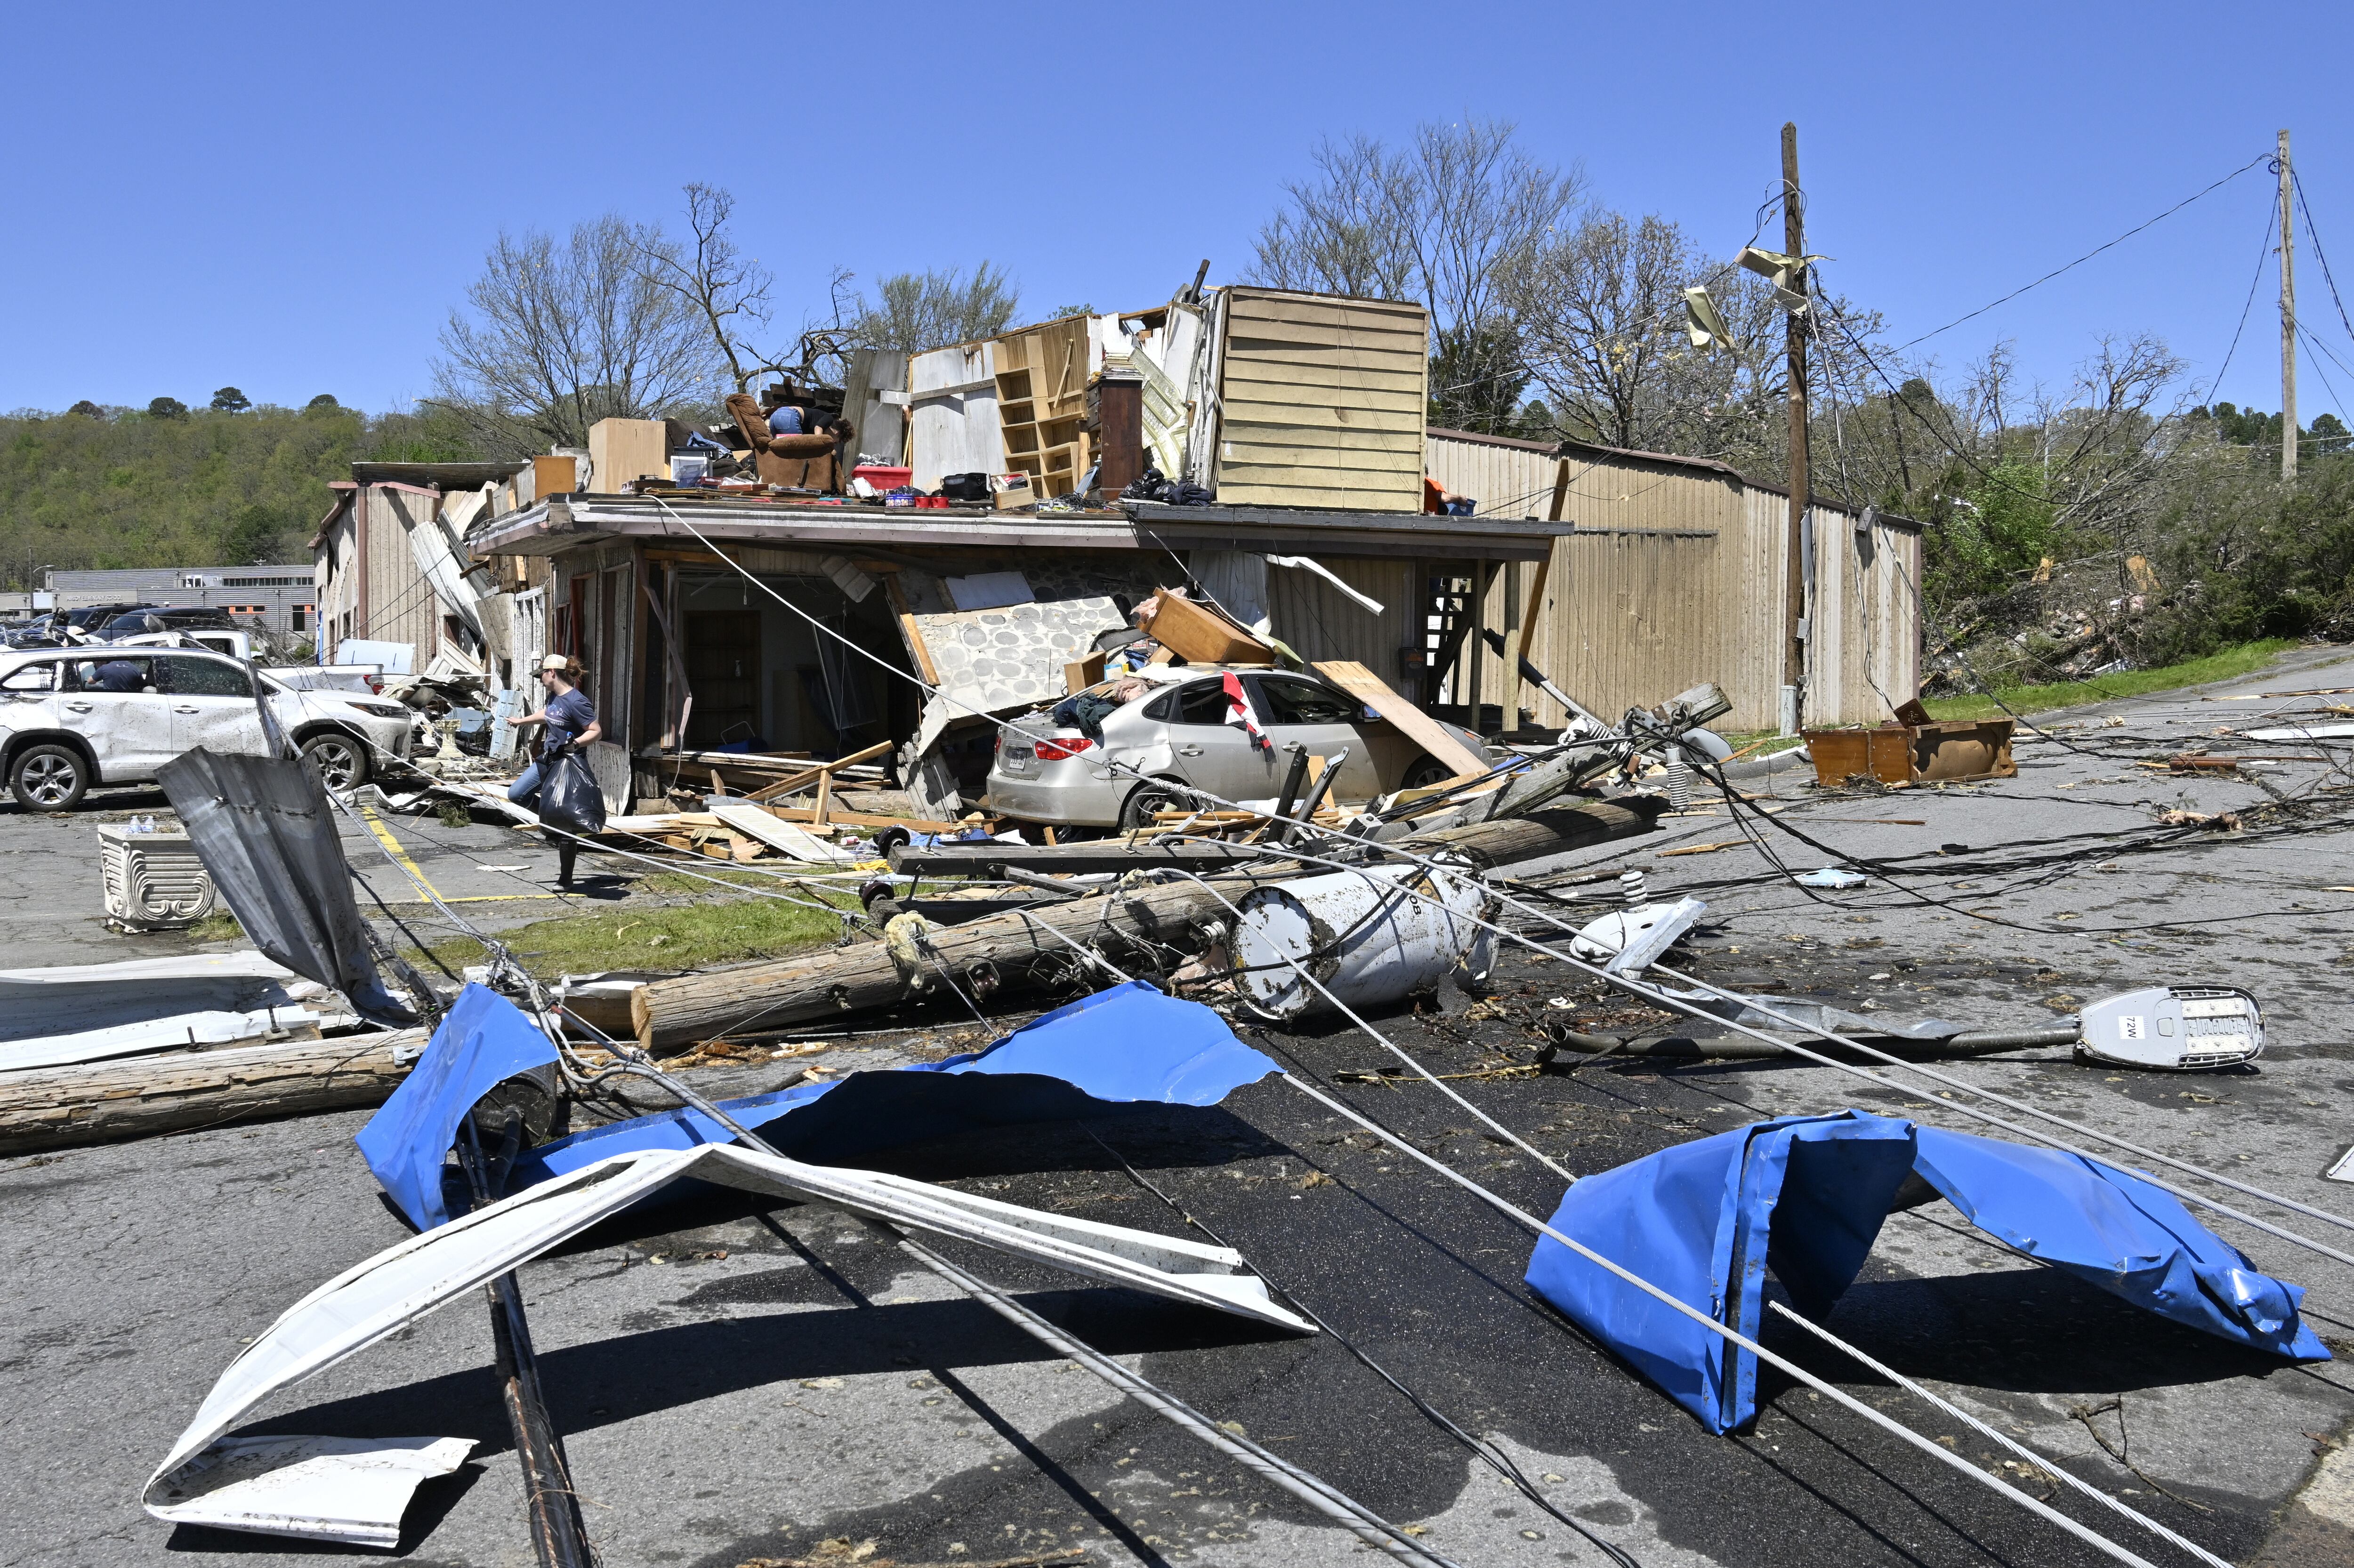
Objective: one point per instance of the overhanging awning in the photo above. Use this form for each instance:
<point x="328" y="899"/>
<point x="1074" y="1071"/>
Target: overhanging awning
<point x="564" y="522"/>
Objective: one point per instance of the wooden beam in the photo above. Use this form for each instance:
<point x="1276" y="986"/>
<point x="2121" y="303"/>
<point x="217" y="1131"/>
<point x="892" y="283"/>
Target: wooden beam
<point x="820" y="774"/>
<point x="863" y="976"/>
<point x="95" y="1102"/>
<point x="1410" y="721"/>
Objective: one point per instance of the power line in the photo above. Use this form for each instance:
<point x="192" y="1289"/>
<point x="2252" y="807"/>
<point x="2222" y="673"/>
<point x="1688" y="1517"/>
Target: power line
<point x="2313" y="236"/>
<point x="2272" y="226"/>
<point x="2088" y="255"/>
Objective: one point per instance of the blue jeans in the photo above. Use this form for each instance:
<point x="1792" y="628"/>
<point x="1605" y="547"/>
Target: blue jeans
<point x="524" y="791"/>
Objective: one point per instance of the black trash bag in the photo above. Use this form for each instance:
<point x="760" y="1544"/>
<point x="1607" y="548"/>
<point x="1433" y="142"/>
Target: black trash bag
<point x="569" y="799"/>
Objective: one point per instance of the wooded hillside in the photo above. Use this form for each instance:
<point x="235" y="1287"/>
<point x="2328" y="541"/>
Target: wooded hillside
<point x="126" y="487"/>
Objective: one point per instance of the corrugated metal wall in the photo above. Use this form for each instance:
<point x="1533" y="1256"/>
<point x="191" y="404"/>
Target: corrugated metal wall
<point x="1675" y="577"/>
<point x="1320" y="622"/>
<point x="1323" y="401"/>
<point x="1505" y="478"/>
<point x="1868" y="656"/>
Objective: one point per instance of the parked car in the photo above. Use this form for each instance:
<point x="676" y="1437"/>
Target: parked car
<point x="1056" y="766"/>
<point x="72" y="718"/>
<point x="59" y="628"/>
<point x="165" y="617"/>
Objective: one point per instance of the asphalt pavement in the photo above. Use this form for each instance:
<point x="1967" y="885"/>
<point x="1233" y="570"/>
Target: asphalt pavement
<point x="737" y="1383"/>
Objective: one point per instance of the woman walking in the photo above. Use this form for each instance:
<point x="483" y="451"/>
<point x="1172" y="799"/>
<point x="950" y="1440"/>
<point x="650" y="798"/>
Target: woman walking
<point x="571" y="721"/>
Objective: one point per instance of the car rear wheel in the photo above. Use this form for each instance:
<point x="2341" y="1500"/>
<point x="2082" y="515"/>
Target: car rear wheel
<point x="48" y="778"/>
<point x="1149" y="797"/>
<point x="339" y="761"/>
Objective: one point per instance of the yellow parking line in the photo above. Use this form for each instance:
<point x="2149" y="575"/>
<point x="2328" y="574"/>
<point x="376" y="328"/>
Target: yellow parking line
<point x="392" y="846"/>
<point x="384" y="836"/>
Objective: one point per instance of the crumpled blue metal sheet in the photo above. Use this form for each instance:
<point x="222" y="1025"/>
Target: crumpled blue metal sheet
<point x="1805" y="1197"/>
<point x="1115" y="1051"/>
<point x="483" y="1040"/>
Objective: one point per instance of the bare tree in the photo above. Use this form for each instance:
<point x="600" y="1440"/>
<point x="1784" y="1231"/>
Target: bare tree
<point x="725" y="289"/>
<point x="1604" y="327"/>
<point x="560" y="336"/>
<point x="1437" y="222"/>
<point x="913" y="311"/>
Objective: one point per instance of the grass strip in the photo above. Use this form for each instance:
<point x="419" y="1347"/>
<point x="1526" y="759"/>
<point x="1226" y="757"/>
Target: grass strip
<point x="2223" y="665"/>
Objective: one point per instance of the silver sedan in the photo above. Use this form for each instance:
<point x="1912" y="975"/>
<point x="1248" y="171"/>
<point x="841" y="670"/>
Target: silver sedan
<point x="1078" y="763"/>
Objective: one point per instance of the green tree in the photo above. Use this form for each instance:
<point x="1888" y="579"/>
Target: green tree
<point x="88" y="409"/>
<point x="915" y="311"/>
<point x="176" y="491"/>
<point x="167" y="408"/>
<point x="2000" y="529"/>
<point x="324" y="403"/>
<point x="229" y="400"/>
<point x="260" y="536"/>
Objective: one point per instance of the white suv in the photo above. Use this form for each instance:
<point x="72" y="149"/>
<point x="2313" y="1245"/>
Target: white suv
<point x="74" y="717"/>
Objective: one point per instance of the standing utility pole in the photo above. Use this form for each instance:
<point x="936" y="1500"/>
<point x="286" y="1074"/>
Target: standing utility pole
<point x="1794" y="242"/>
<point x="2288" y="321"/>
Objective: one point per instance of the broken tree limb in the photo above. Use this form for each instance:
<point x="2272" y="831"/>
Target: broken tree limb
<point x="99" y="1102"/>
<point x="1131" y="927"/>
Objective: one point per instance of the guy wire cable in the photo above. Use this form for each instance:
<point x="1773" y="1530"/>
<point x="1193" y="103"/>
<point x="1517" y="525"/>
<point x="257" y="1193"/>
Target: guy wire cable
<point x="1486" y="1452"/>
<point x="2057" y="1471"/>
<point x="1479" y="1449"/>
<point x="1835" y="1341"/>
<point x="1669" y="999"/>
<point x="1317" y="1493"/>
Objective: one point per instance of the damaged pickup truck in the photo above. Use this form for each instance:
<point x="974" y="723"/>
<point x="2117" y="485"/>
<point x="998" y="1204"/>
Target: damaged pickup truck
<point x="1220" y="731"/>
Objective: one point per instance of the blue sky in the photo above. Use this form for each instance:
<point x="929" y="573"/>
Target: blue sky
<point x="291" y="199"/>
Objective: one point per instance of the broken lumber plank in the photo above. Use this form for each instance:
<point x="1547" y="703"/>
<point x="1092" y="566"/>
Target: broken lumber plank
<point x="818" y="773"/>
<point x="99" y="1102"/>
<point x="1133" y="928"/>
<point x="1407" y="719"/>
<point x="863" y="819"/>
<point x="756" y="822"/>
<point x="1102" y="855"/>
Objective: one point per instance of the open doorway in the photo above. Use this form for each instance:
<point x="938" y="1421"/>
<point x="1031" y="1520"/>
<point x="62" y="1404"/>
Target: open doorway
<point x="764" y="679"/>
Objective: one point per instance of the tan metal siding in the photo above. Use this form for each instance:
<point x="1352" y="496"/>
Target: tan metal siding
<point x="1676" y="576"/>
<point x="1319" y="623"/>
<point x="1505" y="482"/>
<point x="1323" y="402"/>
<point x="401" y="606"/>
<point x="1867" y="660"/>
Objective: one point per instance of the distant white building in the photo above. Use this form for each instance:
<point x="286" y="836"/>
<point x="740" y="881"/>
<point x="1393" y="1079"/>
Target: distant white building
<point x="283" y="596"/>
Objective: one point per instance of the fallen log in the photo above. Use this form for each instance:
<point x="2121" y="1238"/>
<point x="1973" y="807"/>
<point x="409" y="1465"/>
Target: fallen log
<point x="138" y="1097"/>
<point x="1010" y="951"/>
<point x="994" y="859"/>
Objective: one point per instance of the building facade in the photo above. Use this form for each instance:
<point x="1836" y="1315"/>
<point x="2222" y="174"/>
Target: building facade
<point x="281" y="598"/>
<point x="1676" y="570"/>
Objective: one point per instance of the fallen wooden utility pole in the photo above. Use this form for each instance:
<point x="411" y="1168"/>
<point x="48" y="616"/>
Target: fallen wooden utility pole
<point x="1010" y="951"/>
<point x="140" y="1095"/>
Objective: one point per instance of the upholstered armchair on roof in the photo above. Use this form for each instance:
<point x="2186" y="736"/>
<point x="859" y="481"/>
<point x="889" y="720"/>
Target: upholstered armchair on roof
<point x="807" y="462"/>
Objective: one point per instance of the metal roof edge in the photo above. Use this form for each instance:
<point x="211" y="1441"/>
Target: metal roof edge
<point x="1727" y="470"/>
